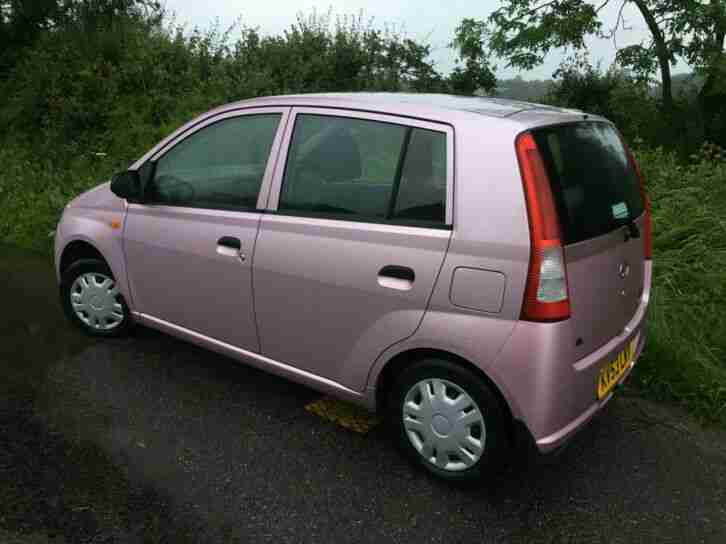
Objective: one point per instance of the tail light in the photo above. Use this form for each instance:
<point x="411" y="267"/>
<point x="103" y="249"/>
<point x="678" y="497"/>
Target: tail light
<point x="546" y="295"/>
<point x="647" y="228"/>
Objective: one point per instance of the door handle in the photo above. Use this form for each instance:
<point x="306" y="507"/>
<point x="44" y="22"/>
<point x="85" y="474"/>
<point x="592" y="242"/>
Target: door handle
<point x="230" y="241"/>
<point x="229" y="246"/>
<point x="396" y="277"/>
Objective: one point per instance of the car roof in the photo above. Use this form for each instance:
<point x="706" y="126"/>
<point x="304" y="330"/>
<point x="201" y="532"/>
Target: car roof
<point x="408" y="104"/>
<point x="442" y="108"/>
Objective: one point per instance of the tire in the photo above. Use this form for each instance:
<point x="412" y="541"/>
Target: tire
<point x="472" y="464"/>
<point x="94" y="270"/>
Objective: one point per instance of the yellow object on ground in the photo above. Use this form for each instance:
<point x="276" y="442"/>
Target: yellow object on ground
<point x="344" y="414"/>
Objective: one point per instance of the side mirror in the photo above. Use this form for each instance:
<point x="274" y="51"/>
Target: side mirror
<point x="127" y="185"/>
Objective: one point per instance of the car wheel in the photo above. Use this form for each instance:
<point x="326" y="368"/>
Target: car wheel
<point x="447" y="420"/>
<point x="91" y="299"/>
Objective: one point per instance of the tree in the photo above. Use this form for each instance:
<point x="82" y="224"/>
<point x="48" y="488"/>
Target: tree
<point x="20" y="23"/>
<point x="706" y="53"/>
<point x="23" y="21"/>
<point x="524" y="31"/>
<point x="476" y="75"/>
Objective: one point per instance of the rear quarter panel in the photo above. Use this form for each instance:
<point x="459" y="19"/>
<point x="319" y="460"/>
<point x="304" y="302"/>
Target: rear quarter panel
<point x="490" y="233"/>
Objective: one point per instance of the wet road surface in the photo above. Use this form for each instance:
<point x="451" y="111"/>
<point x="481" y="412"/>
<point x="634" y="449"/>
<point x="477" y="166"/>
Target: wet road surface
<point x="150" y="439"/>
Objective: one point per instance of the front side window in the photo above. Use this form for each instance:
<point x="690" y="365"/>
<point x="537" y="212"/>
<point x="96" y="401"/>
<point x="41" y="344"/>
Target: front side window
<point x="220" y="166"/>
<point x="365" y="170"/>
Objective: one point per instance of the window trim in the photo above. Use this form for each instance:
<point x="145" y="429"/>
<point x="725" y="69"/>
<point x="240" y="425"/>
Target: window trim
<point x="396" y="188"/>
<point x="407" y="122"/>
<point x="266" y="182"/>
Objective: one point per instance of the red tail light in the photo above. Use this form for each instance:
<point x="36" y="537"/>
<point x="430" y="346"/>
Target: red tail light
<point x="647" y="228"/>
<point x="546" y="295"/>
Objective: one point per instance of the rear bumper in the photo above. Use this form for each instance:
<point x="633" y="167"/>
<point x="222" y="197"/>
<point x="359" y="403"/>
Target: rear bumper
<point x="561" y="436"/>
<point x="551" y="395"/>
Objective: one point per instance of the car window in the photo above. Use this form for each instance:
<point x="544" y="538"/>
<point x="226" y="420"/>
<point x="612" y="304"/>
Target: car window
<point x="220" y="166"/>
<point x="364" y="170"/>
<point x="422" y="191"/>
<point x="594" y="185"/>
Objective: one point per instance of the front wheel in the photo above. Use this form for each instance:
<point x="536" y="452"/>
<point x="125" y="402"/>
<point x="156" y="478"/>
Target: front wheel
<point x="447" y="420"/>
<point x="91" y="299"/>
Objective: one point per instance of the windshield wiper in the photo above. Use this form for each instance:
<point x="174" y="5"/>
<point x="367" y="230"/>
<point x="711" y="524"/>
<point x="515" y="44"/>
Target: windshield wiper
<point x="633" y="230"/>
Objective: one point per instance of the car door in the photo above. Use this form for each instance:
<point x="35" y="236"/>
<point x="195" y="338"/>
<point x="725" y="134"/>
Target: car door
<point x="189" y="245"/>
<point x="357" y="228"/>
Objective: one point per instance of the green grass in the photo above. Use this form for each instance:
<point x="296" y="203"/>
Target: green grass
<point x="685" y="358"/>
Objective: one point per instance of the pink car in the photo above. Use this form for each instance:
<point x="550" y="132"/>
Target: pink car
<point x="475" y="270"/>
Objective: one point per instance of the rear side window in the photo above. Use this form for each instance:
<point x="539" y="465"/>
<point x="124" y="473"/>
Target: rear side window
<point x="594" y="187"/>
<point x="422" y="189"/>
<point x="365" y="170"/>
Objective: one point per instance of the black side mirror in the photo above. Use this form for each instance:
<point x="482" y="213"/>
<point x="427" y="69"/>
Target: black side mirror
<point x="127" y="185"/>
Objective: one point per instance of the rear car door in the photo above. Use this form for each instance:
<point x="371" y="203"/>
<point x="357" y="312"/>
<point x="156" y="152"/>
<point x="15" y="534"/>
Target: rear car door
<point x="355" y="235"/>
<point x="601" y="210"/>
<point x="189" y="245"/>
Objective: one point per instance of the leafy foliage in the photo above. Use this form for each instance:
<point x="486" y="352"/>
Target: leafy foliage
<point x="122" y="82"/>
<point x="525" y="31"/>
<point x="94" y="83"/>
<point x="476" y="74"/>
<point x="614" y="94"/>
<point x="687" y="347"/>
<point x="629" y="102"/>
<point x="22" y="22"/>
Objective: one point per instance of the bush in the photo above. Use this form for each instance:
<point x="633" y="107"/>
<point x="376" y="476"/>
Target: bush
<point x="34" y="190"/>
<point x="110" y="86"/>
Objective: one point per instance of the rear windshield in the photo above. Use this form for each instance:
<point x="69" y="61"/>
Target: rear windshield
<point x="594" y="186"/>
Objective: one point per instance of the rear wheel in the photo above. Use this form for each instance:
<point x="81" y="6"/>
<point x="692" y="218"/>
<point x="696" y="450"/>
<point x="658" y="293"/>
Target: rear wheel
<point x="91" y="299"/>
<point x="447" y="420"/>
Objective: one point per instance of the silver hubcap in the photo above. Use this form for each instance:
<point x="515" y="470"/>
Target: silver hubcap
<point x="444" y="424"/>
<point x="95" y="300"/>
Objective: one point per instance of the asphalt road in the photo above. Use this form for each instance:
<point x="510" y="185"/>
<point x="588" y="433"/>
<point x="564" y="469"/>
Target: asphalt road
<point x="149" y="439"/>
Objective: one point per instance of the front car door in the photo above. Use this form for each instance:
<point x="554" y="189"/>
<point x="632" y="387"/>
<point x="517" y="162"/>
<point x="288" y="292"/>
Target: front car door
<point x="357" y="228"/>
<point x="189" y="245"/>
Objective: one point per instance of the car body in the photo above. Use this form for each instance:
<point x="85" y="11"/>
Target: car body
<point x="343" y="297"/>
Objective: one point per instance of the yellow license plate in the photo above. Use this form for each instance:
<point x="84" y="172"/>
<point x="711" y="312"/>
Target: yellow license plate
<point x="610" y="374"/>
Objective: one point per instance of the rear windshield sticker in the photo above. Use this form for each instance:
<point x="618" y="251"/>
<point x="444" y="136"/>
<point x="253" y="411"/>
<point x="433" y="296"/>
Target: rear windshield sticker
<point x="620" y="210"/>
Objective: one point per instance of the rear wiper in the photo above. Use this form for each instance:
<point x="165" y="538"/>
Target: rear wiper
<point x="633" y="231"/>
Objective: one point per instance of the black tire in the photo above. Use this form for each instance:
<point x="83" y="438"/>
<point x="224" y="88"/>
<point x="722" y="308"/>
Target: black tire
<point x="497" y="443"/>
<point x="78" y="268"/>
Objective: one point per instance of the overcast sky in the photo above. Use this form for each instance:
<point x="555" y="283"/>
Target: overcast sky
<point x="429" y="21"/>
